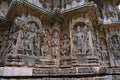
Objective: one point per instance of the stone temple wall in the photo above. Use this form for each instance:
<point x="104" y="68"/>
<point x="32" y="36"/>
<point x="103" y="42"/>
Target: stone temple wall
<point x="69" y="41"/>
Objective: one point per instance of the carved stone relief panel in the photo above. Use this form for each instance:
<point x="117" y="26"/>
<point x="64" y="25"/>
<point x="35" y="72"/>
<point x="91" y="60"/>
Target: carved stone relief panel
<point x="82" y="43"/>
<point x="65" y="45"/>
<point x="95" y="40"/>
<point x="55" y="43"/>
<point x="103" y="49"/>
<point x="45" y="44"/>
<point x="103" y="52"/>
<point x="115" y="46"/>
<point x="81" y="39"/>
<point x="65" y="48"/>
<point x="27" y="39"/>
<point x="46" y="4"/>
<point x="24" y="41"/>
<point x="15" y="35"/>
<point x="114" y="43"/>
<point x="109" y="12"/>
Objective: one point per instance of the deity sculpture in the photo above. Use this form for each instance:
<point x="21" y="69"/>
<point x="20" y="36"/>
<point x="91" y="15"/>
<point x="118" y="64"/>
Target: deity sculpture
<point x="45" y="51"/>
<point x="115" y="46"/>
<point x="112" y="16"/>
<point x="34" y="39"/>
<point x="12" y="40"/>
<point x="82" y="39"/>
<point x="44" y="48"/>
<point x="55" y="43"/>
<point x="65" y="47"/>
<point x="28" y="42"/>
<point x="103" y="50"/>
<point x="79" y="39"/>
<point x="16" y="34"/>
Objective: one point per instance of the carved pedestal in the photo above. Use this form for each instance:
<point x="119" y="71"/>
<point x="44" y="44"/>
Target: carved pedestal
<point x="44" y="63"/>
<point x="20" y="60"/>
<point x="85" y="60"/>
<point x="14" y="60"/>
<point x="65" y="62"/>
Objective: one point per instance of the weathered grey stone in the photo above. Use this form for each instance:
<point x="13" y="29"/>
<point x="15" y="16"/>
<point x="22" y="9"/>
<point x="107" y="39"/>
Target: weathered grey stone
<point x="59" y="40"/>
<point x="16" y="71"/>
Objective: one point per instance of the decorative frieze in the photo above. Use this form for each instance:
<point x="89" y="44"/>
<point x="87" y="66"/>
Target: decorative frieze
<point x="65" y="71"/>
<point x="41" y="72"/>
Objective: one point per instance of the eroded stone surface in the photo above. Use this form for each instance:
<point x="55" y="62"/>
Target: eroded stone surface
<point x="60" y="38"/>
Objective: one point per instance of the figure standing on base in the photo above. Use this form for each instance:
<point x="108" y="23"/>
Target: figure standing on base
<point x="55" y="43"/>
<point x="82" y="40"/>
<point x="45" y="47"/>
<point x="79" y="39"/>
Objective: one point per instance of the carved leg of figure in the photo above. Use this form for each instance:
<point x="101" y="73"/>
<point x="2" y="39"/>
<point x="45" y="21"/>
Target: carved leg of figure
<point x="68" y="52"/>
<point x="44" y="53"/>
<point x="57" y="52"/>
<point x="30" y="47"/>
<point x="53" y="52"/>
<point x="63" y="52"/>
<point x="42" y="50"/>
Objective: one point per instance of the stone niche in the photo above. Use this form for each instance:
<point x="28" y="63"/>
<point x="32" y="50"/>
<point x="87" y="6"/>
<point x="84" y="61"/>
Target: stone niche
<point x="34" y="45"/>
<point x="82" y="44"/>
<point x="114" y="45"/>
<point x="24" y="42"/>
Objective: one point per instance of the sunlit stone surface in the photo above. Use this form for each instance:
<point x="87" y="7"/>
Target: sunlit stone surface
<point x="59" y="40"/>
